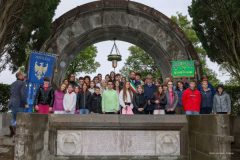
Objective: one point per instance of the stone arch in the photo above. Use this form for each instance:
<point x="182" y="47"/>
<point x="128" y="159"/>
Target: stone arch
<point x="125" y="20"/>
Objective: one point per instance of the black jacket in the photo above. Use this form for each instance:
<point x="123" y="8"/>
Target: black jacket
<point x="44" y="97"/>
<point x="139" y="101"/>
<point x="162" y="99"/>
<point x="95" y="103"/>
<point x="83" y="100"/>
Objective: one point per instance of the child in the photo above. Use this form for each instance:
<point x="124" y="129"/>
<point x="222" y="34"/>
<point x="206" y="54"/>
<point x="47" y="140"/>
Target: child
<point x="58" y="99"/>
<point x="221" y="101"/>
<point x="160" y="101"/>
<point x="172" y="99"/>
<point x="191" y="99"/>
<point x="139" y="101"/>
<point x="95" y="105"/>
<point x="125" y="99"/>
<point x="44" y="97"/>
<point x="84" y="99"/>
<point x="110" y="100"/>
<point x="69" y="100"/>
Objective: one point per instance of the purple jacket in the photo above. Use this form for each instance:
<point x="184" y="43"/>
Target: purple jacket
<point x="58" y="101"/>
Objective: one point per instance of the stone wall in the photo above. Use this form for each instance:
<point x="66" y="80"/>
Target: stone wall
<point x="5" y="121"/>
<point x="210" y="137"/>
<point x="235" y="132"/>
<point x="63" y="137"/>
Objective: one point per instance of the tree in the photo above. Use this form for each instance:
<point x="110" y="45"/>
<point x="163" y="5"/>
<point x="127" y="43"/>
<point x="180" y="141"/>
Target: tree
<point x="187" y="27"/>
<point x="84" y="61"/>
<point x="139" y="61"/>
<point x="217" y="24"/>
<point x="23" y="23"/>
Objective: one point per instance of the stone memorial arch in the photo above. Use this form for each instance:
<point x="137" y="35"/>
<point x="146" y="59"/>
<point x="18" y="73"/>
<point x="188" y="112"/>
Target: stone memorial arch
<point x="125" y="20"/>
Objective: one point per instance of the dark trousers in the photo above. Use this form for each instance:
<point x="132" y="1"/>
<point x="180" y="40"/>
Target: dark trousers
<point x="110" y="113"/>
<point x="148" y="111"/>
<point x="206" y="110"/>
<point x="170" y="112"/>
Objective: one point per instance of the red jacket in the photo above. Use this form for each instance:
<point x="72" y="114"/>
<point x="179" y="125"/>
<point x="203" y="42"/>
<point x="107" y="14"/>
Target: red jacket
<point x="191" y="100"/>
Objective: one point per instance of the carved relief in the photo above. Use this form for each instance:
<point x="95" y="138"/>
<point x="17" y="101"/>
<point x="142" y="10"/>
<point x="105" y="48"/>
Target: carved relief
<point x="69" y="143"/>
<point x="112" y="143"/>
<point x="167" y="144"/>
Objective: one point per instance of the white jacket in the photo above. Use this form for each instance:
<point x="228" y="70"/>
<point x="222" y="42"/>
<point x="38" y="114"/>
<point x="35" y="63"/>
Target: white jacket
<point x="128" y="100"/>
<point x="69" y="101"/>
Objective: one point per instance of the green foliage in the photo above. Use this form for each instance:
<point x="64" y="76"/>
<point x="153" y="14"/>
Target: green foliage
<point x="187" y="27"/>
<point x="4" y="97"/>
<point x="234" y="92"/>
<point x="34" y="27"/>
<point x="139" y="61"/>
<point x="217" y="24"/>
<point x="84" y="61"/>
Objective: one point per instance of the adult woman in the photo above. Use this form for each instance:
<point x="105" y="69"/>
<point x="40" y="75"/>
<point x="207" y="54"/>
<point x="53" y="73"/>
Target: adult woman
<point x="125" y="99"/>
<point x="112" y="76"/>
<point x="87" y="80"/>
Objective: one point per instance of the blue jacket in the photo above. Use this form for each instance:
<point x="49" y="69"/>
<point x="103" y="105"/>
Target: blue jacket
<point x="149" y="94"/>
<point x="207" y="99"/>
<point x="18" y="96"/>
<point x="209" y="86"/>
<point x="179" y="93"/>
<point x="149" y="91"/>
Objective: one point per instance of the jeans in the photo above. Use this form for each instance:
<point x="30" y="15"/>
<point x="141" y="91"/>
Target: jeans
<point x="84" y="111"/>
<point x="206" y="110"/>
<point x="15" y="110"/>
<point x="192" y="113"/>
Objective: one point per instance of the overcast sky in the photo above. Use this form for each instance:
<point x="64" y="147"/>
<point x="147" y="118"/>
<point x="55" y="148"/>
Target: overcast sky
<point x="167" y="7"/>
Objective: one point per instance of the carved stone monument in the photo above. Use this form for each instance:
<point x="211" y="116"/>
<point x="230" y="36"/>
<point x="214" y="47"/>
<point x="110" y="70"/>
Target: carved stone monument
<point x="116" y="142"/>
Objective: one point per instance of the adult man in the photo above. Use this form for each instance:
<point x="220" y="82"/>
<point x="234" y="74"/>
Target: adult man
<point x="207" y="99"/>
<point x="18" y="99"/>
<point x="110" y="100"/>
<point x="210" y="86"/>
<point x="72" y="80"/>
<point x="149" y="90"/>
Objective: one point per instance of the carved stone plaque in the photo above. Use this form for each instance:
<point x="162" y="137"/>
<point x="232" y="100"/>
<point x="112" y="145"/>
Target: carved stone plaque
<point x="114" y="143"/>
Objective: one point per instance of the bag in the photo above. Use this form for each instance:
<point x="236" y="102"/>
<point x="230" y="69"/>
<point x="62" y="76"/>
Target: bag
<point x="127" y="110"/>
<point x="158" y="111"/>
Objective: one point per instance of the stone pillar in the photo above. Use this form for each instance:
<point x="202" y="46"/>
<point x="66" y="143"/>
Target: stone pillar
<point x="31" y="134"/>
<point x="210" y="137"/>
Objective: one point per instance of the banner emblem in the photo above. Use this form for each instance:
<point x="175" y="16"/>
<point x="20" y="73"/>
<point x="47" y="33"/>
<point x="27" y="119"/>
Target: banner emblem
<point x="40" y="70"/>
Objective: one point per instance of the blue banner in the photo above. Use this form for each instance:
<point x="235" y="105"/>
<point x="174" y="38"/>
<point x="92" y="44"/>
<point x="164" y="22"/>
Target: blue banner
<point x="40" y="65"/>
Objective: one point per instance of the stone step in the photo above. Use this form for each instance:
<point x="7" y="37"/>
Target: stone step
<point x="6" y="141"/>
<point x="6" y="152"/>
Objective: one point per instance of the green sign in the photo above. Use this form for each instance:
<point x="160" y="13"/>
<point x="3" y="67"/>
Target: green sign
<point x="183" y="69"/>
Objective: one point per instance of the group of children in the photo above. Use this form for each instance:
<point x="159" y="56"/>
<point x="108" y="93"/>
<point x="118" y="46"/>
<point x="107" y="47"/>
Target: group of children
<point x="116" y="95"/>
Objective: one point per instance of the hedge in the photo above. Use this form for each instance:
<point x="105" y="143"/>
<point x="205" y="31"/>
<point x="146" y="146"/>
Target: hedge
<point x="4" y="97"/>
